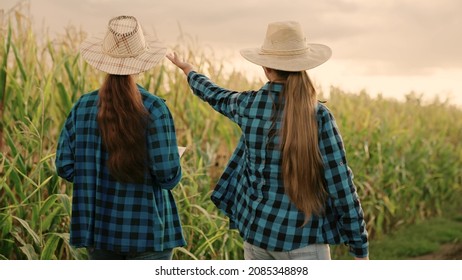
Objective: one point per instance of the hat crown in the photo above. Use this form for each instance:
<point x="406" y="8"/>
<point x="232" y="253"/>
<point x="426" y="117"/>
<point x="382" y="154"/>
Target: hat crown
<point x="286" y="48"/>
<point x="284" y="37"/>
<point x="124" y="38"/>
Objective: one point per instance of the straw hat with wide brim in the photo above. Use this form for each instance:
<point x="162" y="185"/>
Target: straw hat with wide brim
<point x="124" y="50"/>
<point x="286" y="48"/>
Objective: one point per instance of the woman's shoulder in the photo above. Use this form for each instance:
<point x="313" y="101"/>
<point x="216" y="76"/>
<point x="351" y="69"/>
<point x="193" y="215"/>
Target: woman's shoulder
<point x="88" y="99"/>
<point x="322" y="110"/>
<point x="153" y="102"/>
<point x="148" y="95"/>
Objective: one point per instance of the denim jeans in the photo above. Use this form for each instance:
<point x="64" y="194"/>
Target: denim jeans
<point x="310" y="252"/>
<point x="108" y="255"/>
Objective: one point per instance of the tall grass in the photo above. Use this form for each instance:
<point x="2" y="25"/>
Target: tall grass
<point x="406" y="156"/>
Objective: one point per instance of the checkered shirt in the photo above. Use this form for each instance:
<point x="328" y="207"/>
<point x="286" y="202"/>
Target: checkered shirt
<point x="250" y="191"/>
<point x="113" y="216"/>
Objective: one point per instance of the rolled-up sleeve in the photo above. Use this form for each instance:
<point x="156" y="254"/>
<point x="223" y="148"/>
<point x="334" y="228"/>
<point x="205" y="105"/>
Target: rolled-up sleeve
<point x="341" y="188"/>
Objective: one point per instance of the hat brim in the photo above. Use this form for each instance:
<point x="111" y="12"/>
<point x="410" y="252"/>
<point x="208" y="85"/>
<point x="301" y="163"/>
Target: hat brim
<point x="316" y="55"/>
<point x="91" y="50"/>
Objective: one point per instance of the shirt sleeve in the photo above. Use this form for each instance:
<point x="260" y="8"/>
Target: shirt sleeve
<point x="65" y="151"/>
<point x="224" y="101"/>
<point x="164" y="159"/>
<point x="341" y="188"/>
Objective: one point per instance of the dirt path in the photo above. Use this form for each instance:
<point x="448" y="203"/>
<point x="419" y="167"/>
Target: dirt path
<point x="446" y="252"/>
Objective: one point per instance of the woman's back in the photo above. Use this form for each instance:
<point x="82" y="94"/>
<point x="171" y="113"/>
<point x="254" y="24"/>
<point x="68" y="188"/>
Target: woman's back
<point x="109" y="214"/>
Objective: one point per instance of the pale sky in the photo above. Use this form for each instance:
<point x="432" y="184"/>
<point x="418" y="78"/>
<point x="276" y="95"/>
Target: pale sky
<point x="386" y="46"/>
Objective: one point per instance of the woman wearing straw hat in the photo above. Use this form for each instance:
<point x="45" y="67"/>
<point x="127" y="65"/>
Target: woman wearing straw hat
<point x="118" y="147"/>
<point x="287" y="187"/>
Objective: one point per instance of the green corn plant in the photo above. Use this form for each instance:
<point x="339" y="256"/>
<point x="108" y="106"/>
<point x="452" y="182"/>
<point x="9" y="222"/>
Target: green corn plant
<point x="405" y="156"/>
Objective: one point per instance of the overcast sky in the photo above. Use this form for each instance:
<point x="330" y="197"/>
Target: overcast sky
<point x="388" y="46"/>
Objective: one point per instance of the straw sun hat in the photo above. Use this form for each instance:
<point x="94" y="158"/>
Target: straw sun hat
<point x="124" y="50"/>
<point x="285" y="47"/>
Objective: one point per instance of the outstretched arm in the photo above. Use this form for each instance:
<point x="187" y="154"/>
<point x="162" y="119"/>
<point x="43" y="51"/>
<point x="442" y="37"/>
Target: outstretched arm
<point x="222" y="100"/>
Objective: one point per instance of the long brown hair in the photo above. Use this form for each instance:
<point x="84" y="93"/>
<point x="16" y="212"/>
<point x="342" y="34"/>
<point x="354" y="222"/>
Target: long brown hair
<point x="302" y="165"/>
<point x="122" y="120"/>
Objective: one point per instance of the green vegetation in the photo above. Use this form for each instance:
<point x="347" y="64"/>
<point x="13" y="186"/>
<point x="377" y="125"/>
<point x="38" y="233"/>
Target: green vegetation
<point x="417" y="240"/>
<point x="406" y="157"/>
<point x="426" y="237"/>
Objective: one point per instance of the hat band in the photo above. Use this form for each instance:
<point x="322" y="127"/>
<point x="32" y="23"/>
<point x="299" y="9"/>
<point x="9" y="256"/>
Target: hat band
<point x="283" y="52"/>
<point x="140" y="52"/>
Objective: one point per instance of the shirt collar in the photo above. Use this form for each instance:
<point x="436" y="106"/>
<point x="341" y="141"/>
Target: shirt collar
<point x="275" y="87"/>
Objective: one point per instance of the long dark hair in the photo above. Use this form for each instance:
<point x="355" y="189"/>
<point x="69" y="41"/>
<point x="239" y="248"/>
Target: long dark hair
<point x="302" y="164"/>
<point x="122" y="120"/>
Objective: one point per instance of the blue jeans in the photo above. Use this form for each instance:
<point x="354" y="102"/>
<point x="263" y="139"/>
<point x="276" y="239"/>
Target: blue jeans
<point x="94" y="254"/>
<point x="310" y="252"/>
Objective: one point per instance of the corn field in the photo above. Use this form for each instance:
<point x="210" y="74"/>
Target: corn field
<point x="406" y="156"/>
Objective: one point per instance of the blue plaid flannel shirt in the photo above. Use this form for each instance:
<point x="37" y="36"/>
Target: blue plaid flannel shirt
<point x="250" y="191"/>
<point x="106" y="214"/>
